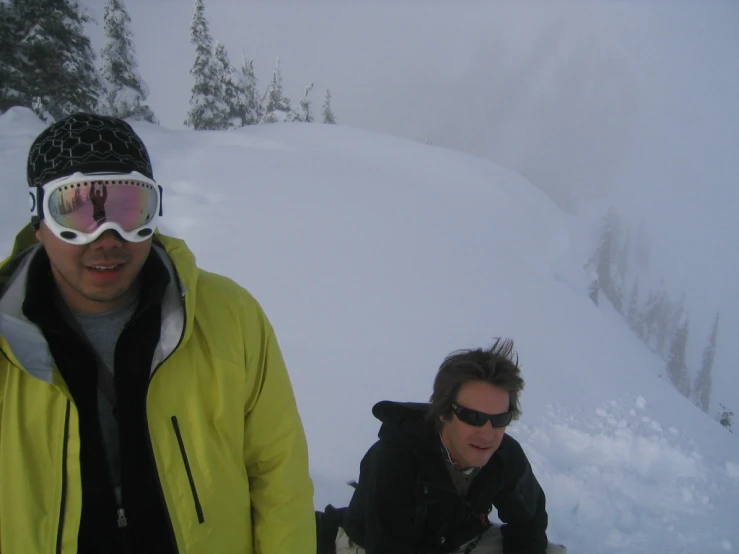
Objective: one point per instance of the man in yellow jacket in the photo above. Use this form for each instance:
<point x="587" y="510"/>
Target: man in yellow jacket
<point x="144" y="403"/>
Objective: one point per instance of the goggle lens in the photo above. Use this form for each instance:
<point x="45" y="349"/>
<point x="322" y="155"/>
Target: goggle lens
<point x="86" y="205"/>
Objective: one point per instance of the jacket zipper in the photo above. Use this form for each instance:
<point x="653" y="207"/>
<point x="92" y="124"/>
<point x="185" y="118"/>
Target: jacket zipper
<point x="170" y="527"/>
<point x="198" y="506"/>
<point x="60" y="530"/>
<point x="122" y="521"/>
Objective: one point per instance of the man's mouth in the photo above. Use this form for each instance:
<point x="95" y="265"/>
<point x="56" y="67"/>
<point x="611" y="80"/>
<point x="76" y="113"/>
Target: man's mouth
<point x="105" y="267"/>
<point x="481" y="447"/>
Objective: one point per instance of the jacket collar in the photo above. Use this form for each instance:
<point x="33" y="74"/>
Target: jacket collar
<point x="170" y="271"/>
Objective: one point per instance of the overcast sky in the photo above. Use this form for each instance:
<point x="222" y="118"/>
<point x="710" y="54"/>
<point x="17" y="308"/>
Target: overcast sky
<point x="571" y="93"/>
<point x="632" y="101"/>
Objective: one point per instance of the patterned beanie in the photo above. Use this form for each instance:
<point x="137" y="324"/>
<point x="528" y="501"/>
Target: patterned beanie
<point x="86" y="143"/>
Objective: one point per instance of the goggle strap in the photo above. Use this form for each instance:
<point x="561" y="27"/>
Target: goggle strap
<point x="36" y="195"/>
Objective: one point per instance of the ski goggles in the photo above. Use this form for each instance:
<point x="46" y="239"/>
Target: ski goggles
<point x="80" y="207"/>
<point x="478" y="419"/>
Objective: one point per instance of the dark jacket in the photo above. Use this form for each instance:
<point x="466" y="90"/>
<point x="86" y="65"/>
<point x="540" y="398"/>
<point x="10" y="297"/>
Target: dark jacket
<point x="405" y="501"/>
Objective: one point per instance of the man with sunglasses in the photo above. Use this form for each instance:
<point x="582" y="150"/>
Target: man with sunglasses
<point x="437" y="471"/>
<point x="144" y="403"/>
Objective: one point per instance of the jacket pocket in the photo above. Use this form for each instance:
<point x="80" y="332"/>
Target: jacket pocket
<point x="193" y="488"/>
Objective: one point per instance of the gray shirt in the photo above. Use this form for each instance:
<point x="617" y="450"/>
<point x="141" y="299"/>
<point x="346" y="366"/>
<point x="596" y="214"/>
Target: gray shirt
<point x="462" y="478"/>
<point x="102" y="332"/>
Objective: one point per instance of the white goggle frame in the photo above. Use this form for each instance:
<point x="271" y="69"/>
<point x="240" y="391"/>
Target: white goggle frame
<point x="41" y="195"/>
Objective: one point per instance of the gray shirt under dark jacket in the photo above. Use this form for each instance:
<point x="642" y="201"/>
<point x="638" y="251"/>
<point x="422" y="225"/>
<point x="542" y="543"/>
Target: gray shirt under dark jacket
<point x="104" y="526"/>
<point x="102" y="332"/>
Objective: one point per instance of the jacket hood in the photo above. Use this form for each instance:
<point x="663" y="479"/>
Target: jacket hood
<point x="404" y="422"/>
<point x="24" y="240"/>
<point x="399" y="412"/>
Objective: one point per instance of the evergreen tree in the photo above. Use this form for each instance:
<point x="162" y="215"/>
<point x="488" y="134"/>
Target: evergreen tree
<point x="703" y="382"/>
<point x="39" y="108"/>
<point x="725" y="417"/>
<point x="655" y="320"/>
<point x="253" y="109"/>
<point x="232" y="90"/>
<point x="51" y="62"/>
<point x="9" y="62"/>
<point x="593" y="291"/>
<point x="305" y="113"/>
<point x="328" y="114"/>
<point x="676" y="366"/>
<point x="622" y="260"/>
<point x="633" y="316"/>
<point x="648" y="317"/>
<point x="674" y="316"/>
<point x="603" y="259"/>
<point x="278" y="106"/>
<point x="207" y="110"/>
<point x="126" y="91"/>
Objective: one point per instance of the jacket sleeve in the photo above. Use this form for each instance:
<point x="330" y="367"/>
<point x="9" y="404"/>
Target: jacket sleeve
<point x="381" y="513"/>
<point x="276" y="451"/>
<point x="522" y="507"/>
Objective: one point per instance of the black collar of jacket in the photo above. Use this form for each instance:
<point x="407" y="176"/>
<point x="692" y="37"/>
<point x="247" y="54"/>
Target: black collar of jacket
<point x="406" y="424"/>
<point x="38" y="305"/>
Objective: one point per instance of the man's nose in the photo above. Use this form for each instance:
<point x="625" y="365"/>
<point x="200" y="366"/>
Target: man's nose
<point x="108" y="239"/>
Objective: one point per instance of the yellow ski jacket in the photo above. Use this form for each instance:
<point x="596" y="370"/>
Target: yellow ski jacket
<point x="218" y="370"/>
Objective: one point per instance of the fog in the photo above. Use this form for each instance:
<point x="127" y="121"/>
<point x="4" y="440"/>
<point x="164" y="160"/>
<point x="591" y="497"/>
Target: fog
<point x="623" y="103"/>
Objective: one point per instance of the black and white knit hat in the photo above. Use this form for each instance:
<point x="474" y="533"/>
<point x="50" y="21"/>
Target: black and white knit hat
<point x="86" y="143"/>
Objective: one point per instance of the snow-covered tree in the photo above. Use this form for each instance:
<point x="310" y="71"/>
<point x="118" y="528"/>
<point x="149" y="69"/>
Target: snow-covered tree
<point x="725" y="417"/>
<point x="633" y="316"/>
<point x="51" y="62"/>
<point x="622" y="258"/>
<point x="603" y="259"/>
<point x="207" y="109"/>
<point x="593" y="291"/>
<point x="305" y="113"/>
<point x="39" y="108"/>
<point x="232" y="88"/>
<point x="278" y="105"/>
<point x="126" y="91"/>
<point x="703" y="382"/>
<point x="9" y="61"/>
<point x="253" y="109"/>
<point x="327" y="112"/>
<point x="677" y="369"/>
<point x="675" y="312"/>
<point x="655" y="320"/>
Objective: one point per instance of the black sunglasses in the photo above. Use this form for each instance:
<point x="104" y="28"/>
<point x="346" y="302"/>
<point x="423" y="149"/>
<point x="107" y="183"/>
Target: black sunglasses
<point x="478" y="419"/>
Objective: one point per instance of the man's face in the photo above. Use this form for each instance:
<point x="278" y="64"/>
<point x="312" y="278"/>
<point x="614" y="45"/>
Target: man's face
<point x="471" y="446"/>
<point x="96" y="277"/>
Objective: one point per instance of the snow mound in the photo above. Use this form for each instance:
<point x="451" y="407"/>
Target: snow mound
<point x="617" y="472"/>
<point x="19" y="120"/>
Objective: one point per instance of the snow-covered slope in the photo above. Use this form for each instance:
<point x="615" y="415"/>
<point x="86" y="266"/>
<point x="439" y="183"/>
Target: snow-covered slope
<point x="375" y="256"/>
